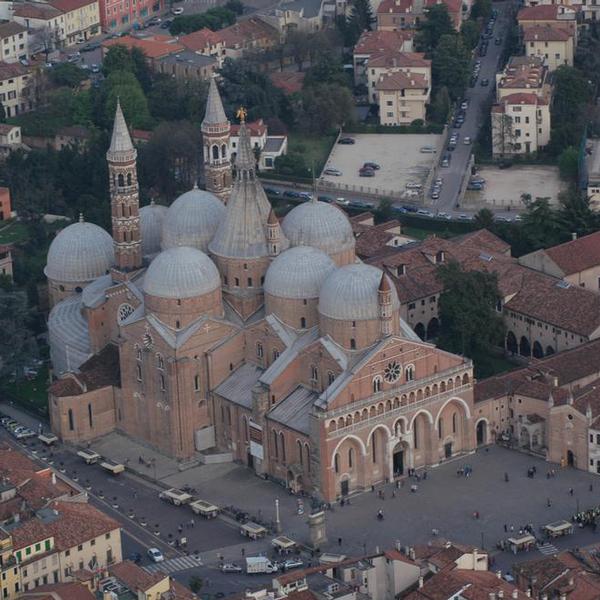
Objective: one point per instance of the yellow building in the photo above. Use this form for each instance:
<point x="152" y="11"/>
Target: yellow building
<point x="9" y="572"/>
<point x="403" y="98"/>
<point x="14" y="93"/>
<point x="81" y="19"/>
<point x="554" y="44"/>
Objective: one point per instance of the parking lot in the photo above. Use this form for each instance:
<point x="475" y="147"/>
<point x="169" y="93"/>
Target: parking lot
<point x="504" y="187"/>
<point x="398" y="156"/>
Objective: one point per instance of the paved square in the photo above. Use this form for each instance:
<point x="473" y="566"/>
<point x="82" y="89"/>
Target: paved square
<point x="397" y="154"/>
<point x="504" y="187"/>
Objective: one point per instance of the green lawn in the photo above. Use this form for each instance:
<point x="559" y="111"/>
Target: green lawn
<point x="30" y="393"/>
<point x="315" y="149"/>
<point x="13" y="232"/>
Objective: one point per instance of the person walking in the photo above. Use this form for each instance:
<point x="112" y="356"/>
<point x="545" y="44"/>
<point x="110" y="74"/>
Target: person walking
<point x="505" y="528"/>
<point x="506" y="477"/>
<point x="570" y="491"/>
<point x="340" y="542"/>
<point x="548" y="502"/>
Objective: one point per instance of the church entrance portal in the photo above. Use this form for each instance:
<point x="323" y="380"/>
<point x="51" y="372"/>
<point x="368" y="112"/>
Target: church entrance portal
<point x="448" y="450"/>
<point x="398" y="462"/>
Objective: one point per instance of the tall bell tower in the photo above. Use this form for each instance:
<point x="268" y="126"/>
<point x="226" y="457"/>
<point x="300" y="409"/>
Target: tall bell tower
<point x="216" y="130"/>
<point x="124" y="199"/>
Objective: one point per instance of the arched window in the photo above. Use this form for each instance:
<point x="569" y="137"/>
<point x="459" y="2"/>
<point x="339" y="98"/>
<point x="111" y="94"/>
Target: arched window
<point x="352" y="344"/>
<point x="259" y="350"/>
<point x="409" y="372"/>
<point x="120" y="180"/>
<point x="275" y="448"/>
<point x="196" y="383"/>
<point x="454" y="423"/>
<point x="336" y="462"/>
<point x="224" y="151"/>
<point x="90" y="416"/>
<point x="215" y="152"/>
<point x="377" y="383"/>
<point x="162" y="383"/>
<point x="302" y="323"/>
<point x="300" y="456"/>
<point x="282" y="440"/>
<point x="160" y="361"/>
<point x="314" y="374"/>
<point x="71" y="422"/>
<point x="129" y="183"/>
<point x="275" y="354"/>
<point x="373" y="448"/>
<point x="350" y="458"/>
<point x="330" y="378"/>
<point x="440" y="428"/>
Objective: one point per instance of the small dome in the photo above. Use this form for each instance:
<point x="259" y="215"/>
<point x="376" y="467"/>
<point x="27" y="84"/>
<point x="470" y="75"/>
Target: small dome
<point x="320" y="225"/>
<point x="351" y="293"/>
<point x="181" y="273"/>
<point x="192" y="220"/>
<point x="151" y="222"/>
<point x="298" y="273"/>
<point x="80" y="252"/>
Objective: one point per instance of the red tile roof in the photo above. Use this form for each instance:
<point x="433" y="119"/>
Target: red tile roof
<point x="393" y="58"/>
<point x="577" y="255"/>
<point x="523" y="98"/>
<point x="542" y="12"/>
<point x="201" y="39"/>
<point x="378" y="41"/>
<point x="8" y="70"/>
<point x="245" y="33"/>
<point x="156" y="46"/>
<point x="134" y="577"/>
<point x="256" y="128"/>
<point x="395" y="7"/>
<point x="70" y="5"/>
<point x="36" y="10"/>
<point x="402" y="81"/>
<point x="59" y="591"/>
<point x="545" y="33"/>
<point x="289" y="82"/>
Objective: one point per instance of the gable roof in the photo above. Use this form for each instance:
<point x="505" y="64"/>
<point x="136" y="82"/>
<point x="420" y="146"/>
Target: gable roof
<point x="376" y="41"/>
<point x="70" y="5"/>
<point x="155" y="46"/>
<point x="546" y="33"/>
<point x="199" y="40"/>
<point x="36" y="10"/>
<point x="401" y="81"/>
<point x="395" y="58"/>
<point x="576" y="255"/>
<point x="542" y="12"/>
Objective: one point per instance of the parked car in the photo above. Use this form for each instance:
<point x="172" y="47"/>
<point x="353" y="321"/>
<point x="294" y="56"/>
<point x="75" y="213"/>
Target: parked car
<point x="177" y="10"/>
<point x="272" y="191"/>
<point x="371" y="165"/>
<point x="153" y="21"/>
<point x="327" y="199"/>
<point x="305" y="195"/>
<point x="409" y="208"/>
<point x="439" y="181"/>
<point x="424" y="213"/>
<point x="366" y="172"/>
<point x="230" y="568"/>
<point x="90" y="47"/>
<point x="342" y="201"/>
<point x="332" y="171"/>
<point x="427" y="149"/>
<point x="485" y="82"/>
<point x="435" y="194"/>
<point x="413" y="186"/>
<point x="155" y="555"/>
<point x="464" y="217"/>
<point x="291" y="194"/>
<point x="347" y="141"/>
<point x="291" y="563"/>
<point x="477" y="187"/>
<point x="498" y="41"/>
<point x="443" y="215"/>
<point x="446" y="161"/>
<point x="95" y="68"/>
<point x="467" y="140"/>
<point x="166" y="24"/>
<point x="464" y="104"/>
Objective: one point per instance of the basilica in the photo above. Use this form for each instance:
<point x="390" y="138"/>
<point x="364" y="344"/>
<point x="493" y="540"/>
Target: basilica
<point x="212" y="327"/>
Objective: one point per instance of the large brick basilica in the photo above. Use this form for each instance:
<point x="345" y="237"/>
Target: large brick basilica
<point x="212" y="326"/>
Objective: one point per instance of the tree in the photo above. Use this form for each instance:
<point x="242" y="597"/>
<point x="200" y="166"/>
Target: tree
<point x="196" y="583"/>
<point x="503" y="134"/>
<point x="470" y="324"/>
<point x="568" y="163"/>
<point x="450" y="66"/>
<point x="540" y="224"/>
<point x="298" y="44"/>
<point x="384" y="212"/>
<point x="484" y="219"/>
<point x="440" y="107"/>
<point x="66" y="74"/>
<point x="214" y="19"/>
<point x="481" y="9"/>
<point x="575" y="214"/>
<point x="235" y="6"/>
<point x="125" y="87"/>
<point x="431" y="29"/>
<point x="17" y="343"/>
<point x="470" y="33"/>
<point x="325" y="107"/>
<point x="361" y="19"/>
<point x="118" y="58"/>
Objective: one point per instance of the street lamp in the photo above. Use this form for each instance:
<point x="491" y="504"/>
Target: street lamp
<point x="482" y="543"/>
<point x="277" y="521"/>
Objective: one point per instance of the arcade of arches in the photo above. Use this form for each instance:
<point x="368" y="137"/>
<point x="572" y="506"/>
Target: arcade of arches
<point x="524" y="347"/>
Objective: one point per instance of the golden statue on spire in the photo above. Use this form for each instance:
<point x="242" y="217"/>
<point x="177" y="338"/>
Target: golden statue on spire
<point x="241" y="114"/>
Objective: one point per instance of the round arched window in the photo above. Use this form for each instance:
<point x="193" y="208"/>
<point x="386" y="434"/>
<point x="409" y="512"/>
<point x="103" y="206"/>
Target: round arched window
<point x="392" y="372"/>
<point x="124" y="311"/>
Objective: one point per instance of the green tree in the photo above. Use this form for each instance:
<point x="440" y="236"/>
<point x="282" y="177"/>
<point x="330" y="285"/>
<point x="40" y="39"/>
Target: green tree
<point x="196" y="583"/>
<point x="66" y="74"/>
<point x="118" y="58"/>
<point x="17" y="343"/>
<point x="568" y="163"/>
<point x="325" y="107"/>
<point x="214" y="19"/>
<point x="235" y="6"/>
<point x="360" y="19"/>
<point x="431" y="29"/>
<point x="575" y="214"/>
<point x="481" y="9"/>
<point x="484" y="219"/>
<point x="384" y="212"/>
<point x="125" y="87"/>
<point x="470" y="324"/>
<point x="450" y="66"/>
<point x="298" y="44"/>
<point x="470" y="33"/>
<point x="440" y="107"/>
<point x="540" y="224"/>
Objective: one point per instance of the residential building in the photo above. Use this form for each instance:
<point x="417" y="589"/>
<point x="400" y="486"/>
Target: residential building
<point x="377" y="43"/>
<point x="45" y="25"/>
<point x="205" y="42"/>
<point x="403" y="98"/>
<point x="592" y="172"/>
<point x="299" y="15"/>
<point x="561" y="16"/>
<point x="81" y="19"/>
<point x="288" y="82"/>
<point x="13" y="42"/>
<point x="155" y="47"/>
<point x="524" y="74"/>
<point x="520" y="124"/>
<point x="590" y="10"/>
<point x="268" y="147"/>
<point x="10" y="139"/>
<point x="413" y="65"/>
<point x="60" y="591"/>
<point x="576" y="261"/>
<point x="373" y="239"/>
<point x="187" y="66"/>
<point x="396" y="15"/>
<point x="10" y="586"/>
<point x="555" y="44"/>
<point x="251" y="34"/>
<point x="15" y="96"/>
<point x="116" y="15"/>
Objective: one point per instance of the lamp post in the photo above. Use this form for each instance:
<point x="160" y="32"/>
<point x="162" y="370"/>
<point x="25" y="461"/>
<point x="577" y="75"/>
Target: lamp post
<point x="277" y="521"/>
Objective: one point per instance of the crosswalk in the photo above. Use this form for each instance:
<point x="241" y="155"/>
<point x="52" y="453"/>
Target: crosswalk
<point x="547" y="548"/>
<point x="172" y="565"/>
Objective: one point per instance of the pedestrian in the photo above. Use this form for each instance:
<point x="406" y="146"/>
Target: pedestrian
<point x="243" y="552"/>
<point x="570" y="491"/>
<point x="548" y="502"/>
<point x="193" y="522"/>
<point x="506" y="477"/>
<point x="591" y="487"/>
<point x="505" y="528"/>
<point x="340" y="542"/>
<point x="512" y="528"/>
<point x="424" y="475"/>
<point x="393" y="493"/>
<point x="534" y="469"/>
<point x="134" y="495"/>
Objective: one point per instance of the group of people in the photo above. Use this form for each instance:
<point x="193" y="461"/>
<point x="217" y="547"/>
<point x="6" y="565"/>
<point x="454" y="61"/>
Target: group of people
<point x="465" y="471"/>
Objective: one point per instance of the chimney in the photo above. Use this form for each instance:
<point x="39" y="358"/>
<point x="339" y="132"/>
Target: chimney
<point x="500" y="593"/>
<point x="492" y="596"/>
<point x="411" y="553"/>
<point x="53" y="478"/>
<point x="499" y="574"/>
<point x="574" y="236"/>
<point x="420" y="582"/>
<point x="515" y="593"/>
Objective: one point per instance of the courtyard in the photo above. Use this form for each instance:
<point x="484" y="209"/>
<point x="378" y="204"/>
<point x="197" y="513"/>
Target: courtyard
<point x="397" y="154"/>
<point x="504" y="187"/>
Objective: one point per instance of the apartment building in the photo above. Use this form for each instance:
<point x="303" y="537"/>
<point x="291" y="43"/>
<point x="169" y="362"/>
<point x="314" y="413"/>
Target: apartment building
<point x="15" y="95"/>
<point x="554" y="15"/>
<point x="206" y="43"/>
<point x="117" y="15"/>
<point x="403" y="98"/>
<point x="554" y="44"/>
<point x="520" y="124"/>
<point x="81" y="19"/>
<point x="13" y="42"/>
<point x="524" y="74"/>
<point x="375" y="43"/>
<point x="45" y="25"/>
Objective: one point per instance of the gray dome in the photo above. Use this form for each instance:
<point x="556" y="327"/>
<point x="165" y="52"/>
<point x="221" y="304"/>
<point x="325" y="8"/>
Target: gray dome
<point x="181" y="273"/>
<point x="319" y="224"/>
<point x="192" y="220"/>
<point x="350" y="293"/>
<point x="80" y="252"/>
<point x="298" y="273"/>
<point x="151" y="222"/>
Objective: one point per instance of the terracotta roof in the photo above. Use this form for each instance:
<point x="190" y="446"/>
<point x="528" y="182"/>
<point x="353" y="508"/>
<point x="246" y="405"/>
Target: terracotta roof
<point x="371" y="42"/>
<point x="5" y="128"/>
<point x="59" y="591"/>
<point x="255" y="128"/>
<point x="523" y="72"/>
<point x="402" y="81"/>
<point x="394" y="58"/>
<point x="244" y="33"/>
<point x="8" y="70"/>
<point x="201" y="39"/>
<point x="372" y="239"/>
<point x="70" y="5"/>
<point x="134" y="577"/>
<point x="99" y="371"/>
<point x="542" y="12"/>
<point x="289" y="82"/>
<point x="545" y="33"/>
<point x="8" y="28"/>
<point x="155" y="46"/>
<point x="36" y="10"/>
<point x="523" y="98"/>
<point x="454" y="6"/>
<point x="577" y="255"/>
<point x="395" y="7"/>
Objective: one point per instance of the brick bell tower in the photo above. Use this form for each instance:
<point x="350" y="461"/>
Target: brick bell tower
<point x="216" y="130"/>
<point x="124" y="200"/>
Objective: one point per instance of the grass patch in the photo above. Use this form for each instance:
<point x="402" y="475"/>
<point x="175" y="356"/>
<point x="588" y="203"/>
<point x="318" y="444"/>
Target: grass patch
<point x="13" y="233"/>
<point x="315" y="149"/>
<point x="31" y="394"/>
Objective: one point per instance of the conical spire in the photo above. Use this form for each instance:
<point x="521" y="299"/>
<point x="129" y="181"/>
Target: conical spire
<point x="121" y="146"/>
<point x="215" y="114"/>
<point x="244" y="160"/>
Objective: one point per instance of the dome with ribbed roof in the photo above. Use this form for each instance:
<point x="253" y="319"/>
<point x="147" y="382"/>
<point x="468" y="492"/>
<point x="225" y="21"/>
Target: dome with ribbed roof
<point x="192" y="220"/>
<point x="181" y="272"/>
<point x="80" y="252"/>
<point x="151" y="223"/>
<point x="320" y="225"/>
<point x="298" y="273"/>
<point x="351" y="293"/>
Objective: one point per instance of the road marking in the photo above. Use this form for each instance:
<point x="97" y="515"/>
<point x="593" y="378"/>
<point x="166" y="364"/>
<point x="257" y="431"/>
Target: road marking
<point x="547" y="548"/>
<point x="175" y="564"/>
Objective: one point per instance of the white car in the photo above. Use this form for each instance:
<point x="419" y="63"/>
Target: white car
<point x="332" y="171"/>
<point x="424" y="213"/>
<point x="342" y="201"/>
<point x="427" y="150"/>
<point x="438" y="182"/>
<point x="413" y="186"/>
<point x="155" y="555"/>
<point x="177" y="10"/>
<point x="467" y="140"/>
<point x="443" y="215"/>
